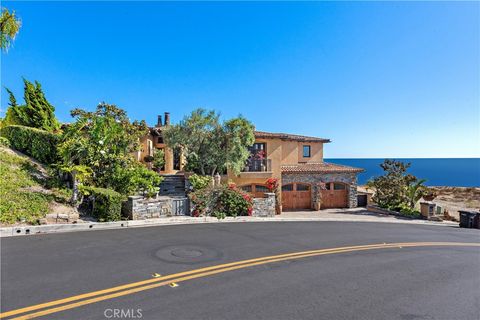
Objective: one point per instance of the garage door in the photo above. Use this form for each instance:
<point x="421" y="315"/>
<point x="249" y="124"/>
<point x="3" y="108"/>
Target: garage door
<point x="296" y="196"/>
<point x="335" y="195"/>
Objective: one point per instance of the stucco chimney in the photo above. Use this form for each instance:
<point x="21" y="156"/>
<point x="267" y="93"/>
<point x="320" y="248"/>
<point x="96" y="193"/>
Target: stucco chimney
<point x="167" y="118"/>
<point x="159" y="120"/>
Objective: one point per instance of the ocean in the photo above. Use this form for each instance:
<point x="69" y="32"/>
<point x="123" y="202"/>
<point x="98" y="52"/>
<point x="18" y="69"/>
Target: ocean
<point x="455" y="172"/>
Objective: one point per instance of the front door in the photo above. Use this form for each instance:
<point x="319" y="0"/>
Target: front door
<point x="296" y="196"/>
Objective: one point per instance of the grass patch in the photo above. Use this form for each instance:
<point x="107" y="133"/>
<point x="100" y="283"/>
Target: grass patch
<point x="23" y="197"/>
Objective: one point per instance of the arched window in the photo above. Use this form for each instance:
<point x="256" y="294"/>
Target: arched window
<point x="260" y="188"/>
<point x="247" y="188"/>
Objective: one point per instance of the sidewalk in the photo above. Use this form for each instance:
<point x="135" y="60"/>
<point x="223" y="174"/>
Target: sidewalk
<point x="347" y="215"/>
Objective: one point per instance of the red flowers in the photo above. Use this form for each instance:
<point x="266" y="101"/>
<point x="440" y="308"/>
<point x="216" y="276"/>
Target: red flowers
<point x="272" y="184"/>
<point x="247" y="197"/>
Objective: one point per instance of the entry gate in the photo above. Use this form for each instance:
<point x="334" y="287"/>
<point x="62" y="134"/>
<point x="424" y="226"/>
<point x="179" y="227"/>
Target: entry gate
<point x="180" y="207"/>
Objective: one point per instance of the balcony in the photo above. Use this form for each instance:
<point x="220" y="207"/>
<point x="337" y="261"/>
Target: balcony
<point x="258" y="165"/>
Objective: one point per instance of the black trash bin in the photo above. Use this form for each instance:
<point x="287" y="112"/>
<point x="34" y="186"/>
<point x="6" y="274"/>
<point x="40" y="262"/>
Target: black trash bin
<point x="469" y="219"/>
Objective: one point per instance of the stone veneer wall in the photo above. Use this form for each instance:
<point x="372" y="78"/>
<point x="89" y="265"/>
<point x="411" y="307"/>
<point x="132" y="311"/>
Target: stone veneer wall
<point x="264" y="207"/>
<point x="315" y="178"/>
<point x="140" y="208"/>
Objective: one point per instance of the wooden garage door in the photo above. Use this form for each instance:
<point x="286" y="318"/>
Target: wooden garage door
<point x="296" y="196"/>
<point x="335" y="195"/>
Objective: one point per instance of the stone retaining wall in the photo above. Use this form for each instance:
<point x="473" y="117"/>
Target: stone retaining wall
<point x="140" y="208"/>
<point x="264" y="207"/>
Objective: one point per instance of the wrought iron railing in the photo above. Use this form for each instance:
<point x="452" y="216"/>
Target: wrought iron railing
<point x="255" y="165"/>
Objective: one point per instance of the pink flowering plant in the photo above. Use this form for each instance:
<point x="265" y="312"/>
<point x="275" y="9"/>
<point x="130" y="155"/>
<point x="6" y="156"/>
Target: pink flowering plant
<point x="221" y="201"/>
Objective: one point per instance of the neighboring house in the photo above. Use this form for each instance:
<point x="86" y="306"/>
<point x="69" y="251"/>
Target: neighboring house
<point x="297" y="162"/>
<point x="153" y="141"/>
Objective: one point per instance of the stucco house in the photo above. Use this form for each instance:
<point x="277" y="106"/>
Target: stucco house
<point x="153" y="141"/>
<point x="295" y="160"/>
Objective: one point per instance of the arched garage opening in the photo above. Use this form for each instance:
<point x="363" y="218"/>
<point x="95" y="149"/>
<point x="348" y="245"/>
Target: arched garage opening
<point x="255" y="189"/>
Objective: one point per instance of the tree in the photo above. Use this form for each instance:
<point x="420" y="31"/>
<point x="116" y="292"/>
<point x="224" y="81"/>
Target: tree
<point x="210" y="146"/>
<point x="414" y="192"/>
<point x="396" y="188"/>
<point x="158" y="159"/>
<point x="104" y="141"/>
<point x="9" y="27"/>
<point x="37" y="111"/>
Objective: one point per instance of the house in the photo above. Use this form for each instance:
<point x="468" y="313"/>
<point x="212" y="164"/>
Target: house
<point x="153" y="141"/>
<point x="307" y="182"/>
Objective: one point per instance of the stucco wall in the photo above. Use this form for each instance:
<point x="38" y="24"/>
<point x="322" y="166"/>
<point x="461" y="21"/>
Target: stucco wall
<point x="279" y="152"/>
<point x="144" y="151"/>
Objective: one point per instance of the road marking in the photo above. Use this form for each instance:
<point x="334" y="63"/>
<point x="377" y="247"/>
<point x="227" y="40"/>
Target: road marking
<point x="143" y="282"/>
<point x="202" y="272"/>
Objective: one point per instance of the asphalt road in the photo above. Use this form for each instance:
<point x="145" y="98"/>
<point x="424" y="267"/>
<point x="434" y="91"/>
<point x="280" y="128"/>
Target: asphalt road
<point x="394" y="283"/>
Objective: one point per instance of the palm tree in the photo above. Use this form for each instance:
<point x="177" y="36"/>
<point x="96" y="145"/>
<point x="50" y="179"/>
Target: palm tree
<point x="9" y="26"/>
<point x="415" y="192"/>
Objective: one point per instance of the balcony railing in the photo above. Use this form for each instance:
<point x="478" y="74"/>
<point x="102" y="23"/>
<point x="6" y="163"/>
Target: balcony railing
<point x="254" y="165"/>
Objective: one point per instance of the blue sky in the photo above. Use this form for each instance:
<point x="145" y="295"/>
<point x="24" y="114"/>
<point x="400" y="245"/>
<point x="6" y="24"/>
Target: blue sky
<point x="394" y="79"/>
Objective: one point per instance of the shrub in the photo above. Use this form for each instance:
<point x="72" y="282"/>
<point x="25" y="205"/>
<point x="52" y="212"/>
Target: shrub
<point x="221" y="201"/>
<point x="106" y="203"/>
<point x="235" y="202"/>
<point x="4" y="142"/>
<point x="158" y="159"/>
<point x="199" y="182"/>
<point x="134" y="178"/>
<point x="39" y="144"/>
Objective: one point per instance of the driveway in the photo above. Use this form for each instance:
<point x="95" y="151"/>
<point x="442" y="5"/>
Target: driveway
<point x="355" y="214"/>
<point x="327" y="270"/>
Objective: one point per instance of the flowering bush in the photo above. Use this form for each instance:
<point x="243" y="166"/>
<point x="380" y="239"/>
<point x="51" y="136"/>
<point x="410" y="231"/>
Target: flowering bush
<point x="272" y="184"/>
<point x="221" y="201"/>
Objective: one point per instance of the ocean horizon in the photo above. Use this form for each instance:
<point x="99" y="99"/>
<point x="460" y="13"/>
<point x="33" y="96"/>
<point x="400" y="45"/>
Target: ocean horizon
<point x="454" y="172"/>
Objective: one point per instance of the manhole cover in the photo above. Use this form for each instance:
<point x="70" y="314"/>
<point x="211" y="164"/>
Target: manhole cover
<point x="187" y="254"/>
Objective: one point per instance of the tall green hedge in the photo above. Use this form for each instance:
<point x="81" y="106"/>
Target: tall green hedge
<point x="107" y="203"/>
<point x="39" y="144"/>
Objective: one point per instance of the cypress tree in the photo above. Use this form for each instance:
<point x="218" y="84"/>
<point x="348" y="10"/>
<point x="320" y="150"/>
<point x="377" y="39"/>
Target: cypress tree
<point x="37" y="111"/>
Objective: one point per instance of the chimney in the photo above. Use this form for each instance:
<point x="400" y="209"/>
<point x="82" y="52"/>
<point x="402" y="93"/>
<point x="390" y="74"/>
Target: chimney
<point x="159" y="120"/>
<point x="167" y="118"/>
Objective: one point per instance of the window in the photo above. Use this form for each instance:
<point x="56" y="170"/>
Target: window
<point x="258" y="146"/>
<point x="246" y="188"/>
<point x="160" y="140"/>
<point x="327" y="186"/>
<point x="260" y="188"/>
<point x="338" y="186"/>
<point x="303" y="187"/>
<point x="306" y="151"/>
<point x="287" y="187"/>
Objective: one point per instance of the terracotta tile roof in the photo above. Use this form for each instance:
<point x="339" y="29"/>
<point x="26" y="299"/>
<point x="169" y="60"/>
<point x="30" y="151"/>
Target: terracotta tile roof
<point x="319" y="167"/>
<point x="287" y="136"/>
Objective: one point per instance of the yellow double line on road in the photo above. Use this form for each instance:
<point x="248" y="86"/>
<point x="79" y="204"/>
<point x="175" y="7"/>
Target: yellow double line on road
<point x="127" y="289"/>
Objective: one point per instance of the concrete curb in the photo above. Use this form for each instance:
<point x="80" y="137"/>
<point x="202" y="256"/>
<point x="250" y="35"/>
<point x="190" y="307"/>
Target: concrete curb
<point x="59" y="228"/>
